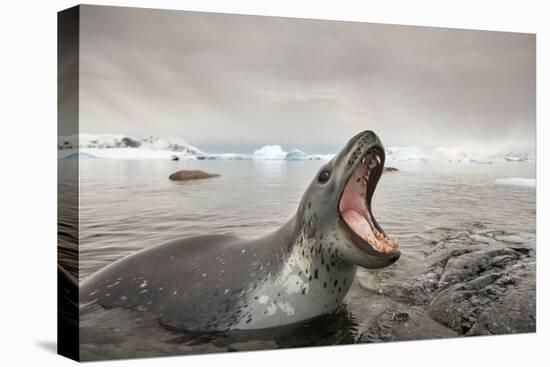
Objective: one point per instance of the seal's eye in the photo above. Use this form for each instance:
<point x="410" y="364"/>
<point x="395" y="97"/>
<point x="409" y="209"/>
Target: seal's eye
<point x="324" y="176"/>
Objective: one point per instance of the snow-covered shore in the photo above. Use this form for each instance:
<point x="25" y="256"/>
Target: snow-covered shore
<point x="146" y="153"/>
<point x="121" y="153"/>
<point x="110" y="146"/>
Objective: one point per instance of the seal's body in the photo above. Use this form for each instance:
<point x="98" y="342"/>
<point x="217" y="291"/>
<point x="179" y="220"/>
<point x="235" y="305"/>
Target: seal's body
<point x="303" y="270"/>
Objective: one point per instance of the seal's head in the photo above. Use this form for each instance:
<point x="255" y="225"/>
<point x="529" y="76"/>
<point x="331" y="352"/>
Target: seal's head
<point x="339" y="203"/>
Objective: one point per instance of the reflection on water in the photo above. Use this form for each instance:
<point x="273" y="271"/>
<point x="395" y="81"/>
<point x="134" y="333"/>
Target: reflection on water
<point x="126" y="206"/>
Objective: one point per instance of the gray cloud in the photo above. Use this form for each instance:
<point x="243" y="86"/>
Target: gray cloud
<point x="233" y="82"/>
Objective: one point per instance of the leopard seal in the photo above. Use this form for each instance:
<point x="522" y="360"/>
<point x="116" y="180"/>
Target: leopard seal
<point x="299" y="272"/>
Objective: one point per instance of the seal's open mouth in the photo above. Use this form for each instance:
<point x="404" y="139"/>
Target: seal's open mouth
<point x="355" y="204"/>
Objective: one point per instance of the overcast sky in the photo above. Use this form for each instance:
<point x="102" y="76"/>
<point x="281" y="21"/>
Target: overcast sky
<point x="235" y="83"/>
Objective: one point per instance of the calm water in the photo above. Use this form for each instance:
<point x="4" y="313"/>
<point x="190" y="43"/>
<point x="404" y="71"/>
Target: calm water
<point x="130" y="205"/>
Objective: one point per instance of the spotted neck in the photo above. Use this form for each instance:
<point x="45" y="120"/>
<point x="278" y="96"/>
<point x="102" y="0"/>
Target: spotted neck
<point x="313" y="281"/>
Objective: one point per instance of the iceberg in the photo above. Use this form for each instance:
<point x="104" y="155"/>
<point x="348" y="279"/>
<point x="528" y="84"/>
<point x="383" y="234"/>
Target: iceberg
<point x="412" y="153"/>
<point x="267" y="152"/>
<point x="119" y="146"/>
<point x="276" y="152"/>
<point x="270" y="152"/>
<point x="295" y="155"/>
<point x="517" y="157"/>
<point x="516" y="181"/>
<point x="478" y="155"/>
<point x="228" y="156"/>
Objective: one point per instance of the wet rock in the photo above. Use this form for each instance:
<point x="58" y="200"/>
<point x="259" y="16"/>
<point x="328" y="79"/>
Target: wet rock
<point x="475" y="282"/>
<point x="394" y="324"/>
<point x="475" y="266"/>
<point x="381" y="328"/>
<point x="390" y="169"/>
<point x="420" y="326"/>
<point x="186" y="175"/>
<point x="400" y="316"/>
<point x="415" y="290"/>
<point x="496" y="302"/>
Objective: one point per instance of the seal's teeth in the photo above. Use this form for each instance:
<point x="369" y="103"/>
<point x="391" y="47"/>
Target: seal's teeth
<point x="378" y="159"/>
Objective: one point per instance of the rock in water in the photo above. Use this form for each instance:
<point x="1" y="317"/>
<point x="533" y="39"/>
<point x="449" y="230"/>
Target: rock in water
<point x="390" y="169"/>
<point x="476" y="282"/>
<point x="186" y="175"/>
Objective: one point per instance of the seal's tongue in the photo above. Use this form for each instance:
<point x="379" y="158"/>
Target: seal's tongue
<point x="360" y="225"/>
<point x="353" y="207"/>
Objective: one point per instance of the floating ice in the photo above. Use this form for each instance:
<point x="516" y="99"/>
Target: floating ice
<point x="229" y="156"/>
<point x="519" y="157"/>
<point x="270" y="152"/>
<point x="320" y="157"/>
<point x="411" y="154"/>
<point x="112" y="146"/>
<point x="516" y="181"/>
<point x="295" y="155"/>
<point x="478" y="155"/>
